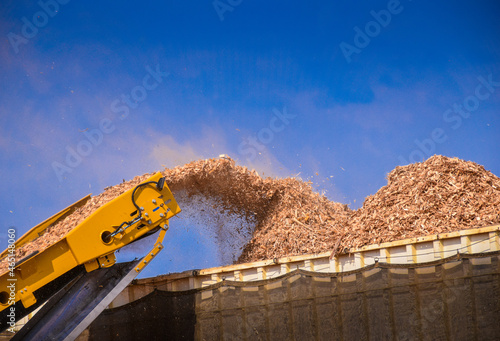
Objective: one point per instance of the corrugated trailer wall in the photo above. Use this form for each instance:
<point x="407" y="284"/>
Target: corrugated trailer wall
<point x="453" y="298"/>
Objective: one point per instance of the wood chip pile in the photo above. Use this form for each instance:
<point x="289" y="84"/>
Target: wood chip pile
<point x="439" y="195"/>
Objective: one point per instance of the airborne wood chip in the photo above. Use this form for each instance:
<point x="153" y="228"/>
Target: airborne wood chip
<point x="439" y="195"/>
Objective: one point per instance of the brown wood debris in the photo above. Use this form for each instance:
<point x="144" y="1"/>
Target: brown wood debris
<point x="439" y="195"/>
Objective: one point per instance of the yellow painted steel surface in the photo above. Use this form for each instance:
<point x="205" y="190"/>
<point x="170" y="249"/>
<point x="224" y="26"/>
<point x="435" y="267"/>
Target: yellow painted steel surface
<point x="38" y="230"/>
<point x="87" y="243"/>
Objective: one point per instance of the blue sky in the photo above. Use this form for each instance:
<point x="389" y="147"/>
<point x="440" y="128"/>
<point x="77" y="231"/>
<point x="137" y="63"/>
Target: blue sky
<point x="345" y="90"/>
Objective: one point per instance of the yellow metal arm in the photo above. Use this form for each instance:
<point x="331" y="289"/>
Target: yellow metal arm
<point x="154" y="251"/>
<point x="94" y="241"/>
<point x="38" y="230"/>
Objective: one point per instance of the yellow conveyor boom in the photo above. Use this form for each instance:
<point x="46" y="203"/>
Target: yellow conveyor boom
<point x="136" y="213"/>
